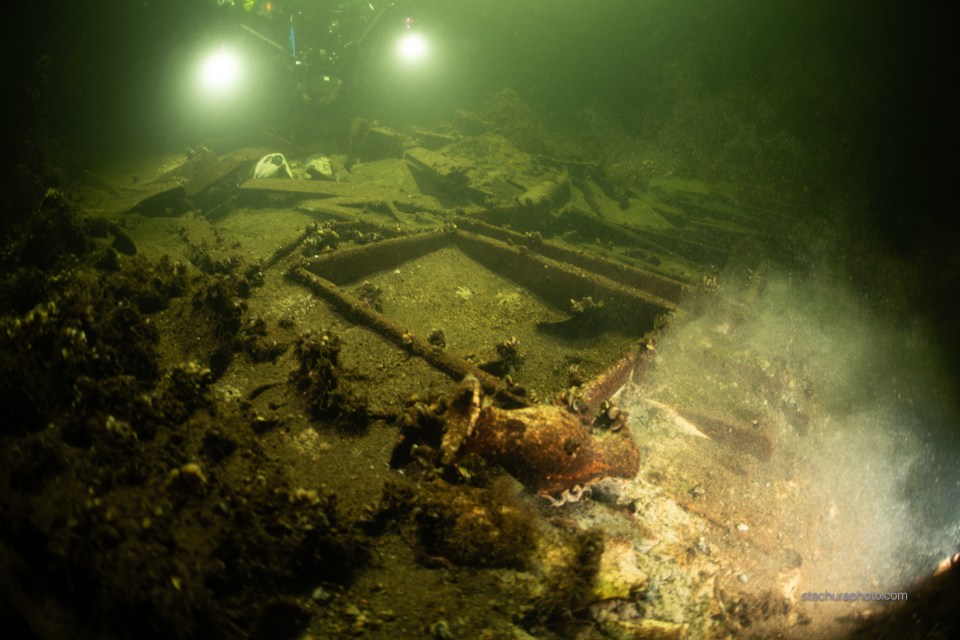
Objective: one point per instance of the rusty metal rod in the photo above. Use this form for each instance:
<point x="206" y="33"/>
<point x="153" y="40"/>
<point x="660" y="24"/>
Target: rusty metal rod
<point x="359" y="311"/>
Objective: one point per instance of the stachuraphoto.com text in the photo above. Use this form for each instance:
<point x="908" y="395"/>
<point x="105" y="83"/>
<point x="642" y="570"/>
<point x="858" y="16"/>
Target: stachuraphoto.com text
<point x="853" y="596"/>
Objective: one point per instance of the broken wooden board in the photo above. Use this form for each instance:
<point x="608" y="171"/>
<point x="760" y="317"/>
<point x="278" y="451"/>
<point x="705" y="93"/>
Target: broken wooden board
<point x="318" y="188"/>
<point x="350" y="200"/>
<point x="167" y="201"/>
<point x="448" y="169"/>
<point x="221" y="168"/>
<point x="548" y="193"/>
<point x="176" y="199"/>
<point x="448" y="174"/>
<point x="702" y="200"/>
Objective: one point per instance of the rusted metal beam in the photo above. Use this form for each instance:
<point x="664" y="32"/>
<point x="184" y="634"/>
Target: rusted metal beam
<point x="632" y="310"/>
<point x="349" y="265"/>
<point x="359" y="311"/>
<point x="652" y="283"/>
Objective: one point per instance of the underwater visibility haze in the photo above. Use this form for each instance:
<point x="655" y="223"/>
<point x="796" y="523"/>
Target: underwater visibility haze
<point x="501" y="319"/>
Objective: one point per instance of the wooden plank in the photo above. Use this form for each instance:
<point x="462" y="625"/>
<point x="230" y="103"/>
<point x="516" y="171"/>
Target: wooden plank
<point x="168" y="201"/>
<point x="221" y="168"/>
<point x="319" y="188"/>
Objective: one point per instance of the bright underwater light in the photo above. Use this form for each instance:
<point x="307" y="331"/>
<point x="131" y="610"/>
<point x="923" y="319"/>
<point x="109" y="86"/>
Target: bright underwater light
<point x="412" y="48"/>
<point x="220" y="72"/>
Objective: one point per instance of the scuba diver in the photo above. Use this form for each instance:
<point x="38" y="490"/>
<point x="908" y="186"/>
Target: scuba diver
<point x="320" y="42"/>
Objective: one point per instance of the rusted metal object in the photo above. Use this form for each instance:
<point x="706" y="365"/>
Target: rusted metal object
<point x="359" y="311"/>
<point x="547" y="448"/>
<point x="658" y="285"/>
<point x="625" y="307"/>
<point x="559" y="282"/>
<point x="349" y="265"/>
<point x="607" y="384"/>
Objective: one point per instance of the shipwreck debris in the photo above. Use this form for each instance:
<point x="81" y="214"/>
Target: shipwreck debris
<point x="547" y="448"/>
